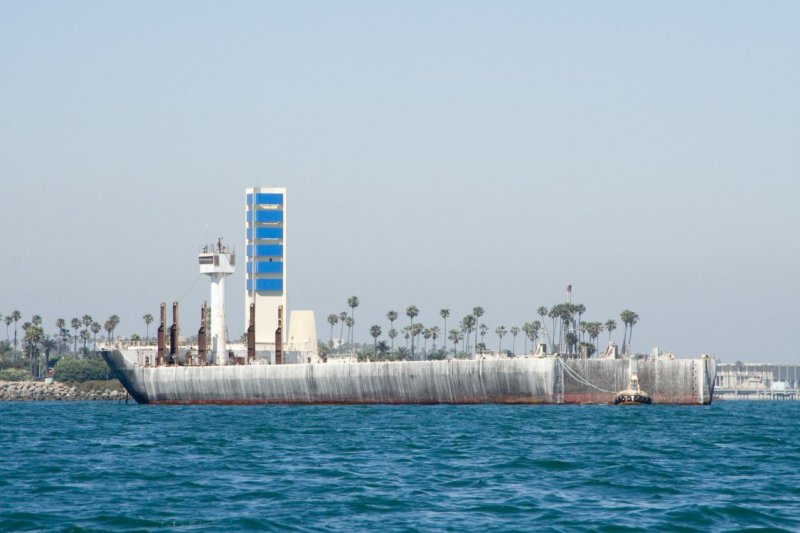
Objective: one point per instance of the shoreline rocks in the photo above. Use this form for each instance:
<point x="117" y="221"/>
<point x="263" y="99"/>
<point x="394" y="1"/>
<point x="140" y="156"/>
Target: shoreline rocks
<point x="14" y="391"/>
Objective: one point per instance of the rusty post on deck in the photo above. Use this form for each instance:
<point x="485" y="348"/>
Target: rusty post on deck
<point x="202" y="341"/>
<point x="279" y="338"/>
<point x="251" y="335"/>
<point x="173" y="336"/>
<point x="161" y="353"/>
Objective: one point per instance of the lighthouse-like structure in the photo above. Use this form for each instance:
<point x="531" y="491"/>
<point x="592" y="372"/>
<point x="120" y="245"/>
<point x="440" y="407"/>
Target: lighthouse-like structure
<point x="217" y="261"/>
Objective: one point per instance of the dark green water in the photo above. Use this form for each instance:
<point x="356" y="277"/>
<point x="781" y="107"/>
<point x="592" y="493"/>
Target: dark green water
<point x="108" y="466"/>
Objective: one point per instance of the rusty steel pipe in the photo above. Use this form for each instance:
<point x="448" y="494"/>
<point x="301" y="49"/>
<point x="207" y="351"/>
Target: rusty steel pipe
<point x="279" y="338"/>
<point x="251" y="335"/>
<point x="161" y="353"/>
<point x="202" y="341"/>
<point x="173" y="336"/>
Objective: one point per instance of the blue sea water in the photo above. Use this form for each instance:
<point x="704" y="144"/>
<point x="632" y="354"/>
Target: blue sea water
<point x="103" y="466"/>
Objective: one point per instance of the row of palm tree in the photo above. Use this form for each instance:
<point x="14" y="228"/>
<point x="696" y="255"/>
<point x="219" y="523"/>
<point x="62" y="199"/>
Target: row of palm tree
<point x="568" y="333"/>
<point x="35" y="342"/>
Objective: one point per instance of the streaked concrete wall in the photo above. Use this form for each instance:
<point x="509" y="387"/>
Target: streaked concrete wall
<point x="518" y="380"/>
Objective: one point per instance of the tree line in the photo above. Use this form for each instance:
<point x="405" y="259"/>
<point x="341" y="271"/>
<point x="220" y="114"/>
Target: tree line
<point x="31" y="348"/>
<point x="567" y="333"/>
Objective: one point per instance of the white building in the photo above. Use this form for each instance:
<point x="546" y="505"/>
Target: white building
<point x="266" y="278"/>
<point x="265" y="274"/>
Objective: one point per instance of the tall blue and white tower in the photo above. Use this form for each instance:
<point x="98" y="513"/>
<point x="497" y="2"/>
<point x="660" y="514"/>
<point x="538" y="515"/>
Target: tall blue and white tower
<point x="265" y="274"/>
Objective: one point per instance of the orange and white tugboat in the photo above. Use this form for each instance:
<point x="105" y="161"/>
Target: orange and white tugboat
<point x="633" y="395"/>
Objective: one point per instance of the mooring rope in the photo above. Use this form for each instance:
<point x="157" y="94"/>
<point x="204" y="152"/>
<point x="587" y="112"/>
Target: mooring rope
<point x="574" y="375"/>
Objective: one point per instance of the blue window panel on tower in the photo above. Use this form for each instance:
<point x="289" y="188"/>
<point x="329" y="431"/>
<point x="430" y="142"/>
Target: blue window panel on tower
<point x="266" y="216"/>
<point x="266" y="198"/>
<point x="275" y="285"/>
<point x="265" y="267"/>
<point x="268" y="250"/>
<point x="265" y="233"/>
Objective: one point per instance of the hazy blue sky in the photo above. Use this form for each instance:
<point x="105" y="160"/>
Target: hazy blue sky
<point x="442" y="154"/>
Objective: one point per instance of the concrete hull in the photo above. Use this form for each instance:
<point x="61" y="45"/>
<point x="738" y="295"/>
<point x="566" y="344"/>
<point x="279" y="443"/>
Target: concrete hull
<point x="520" y="380"/>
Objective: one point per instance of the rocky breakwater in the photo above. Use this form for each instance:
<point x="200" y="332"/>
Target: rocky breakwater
<point x="12" y="391"/>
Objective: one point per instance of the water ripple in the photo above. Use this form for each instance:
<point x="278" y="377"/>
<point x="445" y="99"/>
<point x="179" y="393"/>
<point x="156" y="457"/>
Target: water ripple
<point x="114" y="467"/>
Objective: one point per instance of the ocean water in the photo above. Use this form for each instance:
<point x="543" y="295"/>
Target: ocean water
<point x="106" y="466"/>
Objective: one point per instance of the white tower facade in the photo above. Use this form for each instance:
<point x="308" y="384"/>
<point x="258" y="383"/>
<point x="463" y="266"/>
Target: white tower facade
<point x="265" y="277"/>
<point x="217" y="262"/>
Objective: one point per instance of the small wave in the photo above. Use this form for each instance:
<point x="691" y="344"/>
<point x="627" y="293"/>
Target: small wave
<point x="343" y="468"/>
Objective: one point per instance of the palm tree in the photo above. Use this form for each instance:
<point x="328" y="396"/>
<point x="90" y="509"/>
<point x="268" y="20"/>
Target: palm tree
<point x="36" y="320"/>
<point x="349" y="323"/>
<point x="571" y="342"/>
<point x="84" y="338"/>
<point x="15" y="316"/>
<point x="402" y="354"/>
<point x="560" y="313"/>
<point x="435" y="334"/>
<point x="514" y="332"/>
<point x="352" y="303"/>
<point x="61" y="325"/>
<point x="333" y="319"/>
<point x="611" y="325"/>
<point x="411" y="312"/>
<point x="375" y="331"/>
<point x="114" y="319"/>
<point x="33" y="335"/>
<point x="526" y="329"/>
<point x="467" y="325"/>
<point x="426" y="334"/>
<point x="532" y="332"/>
<point x="629" y="318"/>
<point x="477" y="312"/>
<point x="634" y="321"/>
<point x="382" y="348"/>
<point x="148" y="318"/>
<point x="48" y="345"/>
<point x="8" y="320"/>
<point x="416" y="331"/>
<point x="500" y="331"/>
<point x="109" y="327"/>
<point x="444" y="313"/>
<point x="342" y="320"/>
<point x="594" y="329"/>
<point x="86" y="320"/>
<point x="566" y="312"/>
<point x="392" y="334"/>
<point x="484" y="329"/>
<point x="75" y="324"/>
<point x="579" y="309"/>
<point x="455" y="336"/>
<point x="392" y="316"/>
<point x="95" y="327"/>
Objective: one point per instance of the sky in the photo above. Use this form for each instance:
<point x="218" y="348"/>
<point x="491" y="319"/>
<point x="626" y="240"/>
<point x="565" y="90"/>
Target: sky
<point x="441" y="154"/>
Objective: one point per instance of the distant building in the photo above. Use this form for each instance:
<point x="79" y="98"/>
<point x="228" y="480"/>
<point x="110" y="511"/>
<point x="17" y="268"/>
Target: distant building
<point x="265" y="279"/>
<point x="757" y="381"/>
<point x="265" y="273"/>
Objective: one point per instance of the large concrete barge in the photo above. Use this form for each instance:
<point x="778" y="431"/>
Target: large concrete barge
<point x="212" y="372"/>
<point x="520" y="380"/>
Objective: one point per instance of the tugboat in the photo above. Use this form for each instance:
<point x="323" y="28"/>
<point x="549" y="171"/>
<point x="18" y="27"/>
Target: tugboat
<point x="633" y="395"/>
